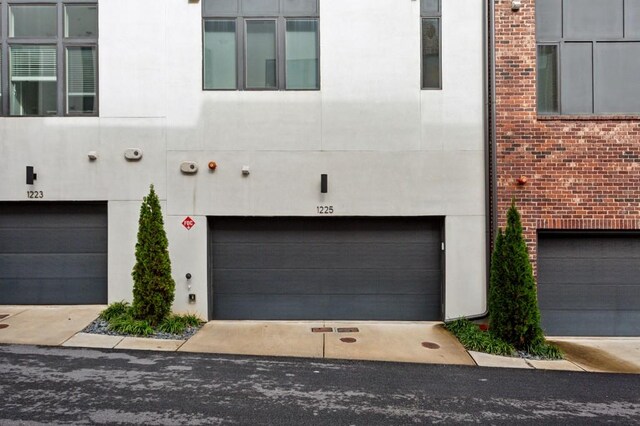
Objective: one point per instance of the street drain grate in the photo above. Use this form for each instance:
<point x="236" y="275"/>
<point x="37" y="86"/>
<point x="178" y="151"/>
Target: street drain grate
<point x="348" y="330"/>
<point x="348" y="340"/>
<point x="431" y="345"/>
<point x="3" y="316"/>
<point x="322" y="330"/>
<point x="3" y="326"/>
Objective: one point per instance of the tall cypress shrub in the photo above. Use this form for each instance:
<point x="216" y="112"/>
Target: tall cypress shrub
<point x="153" y="286"/>
<point x="513" y="300"/>
<point x="499" y="296"/>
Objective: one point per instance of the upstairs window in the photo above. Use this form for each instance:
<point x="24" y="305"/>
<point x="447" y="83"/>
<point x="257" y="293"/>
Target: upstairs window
<point x="588" y="56"/>
<point x="261" y="45"/>
<point x="431" y="14"/>
<point x="49" y="57"/>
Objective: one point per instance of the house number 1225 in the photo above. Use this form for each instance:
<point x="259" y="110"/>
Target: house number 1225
<point x="324" y="209"/>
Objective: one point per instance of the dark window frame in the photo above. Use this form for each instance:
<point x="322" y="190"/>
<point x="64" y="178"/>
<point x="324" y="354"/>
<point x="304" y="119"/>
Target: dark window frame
<point x="241" y="47"/>
<point x="60" y="41"/>
<point x="559" y="83"/>
<point x="437" y="15"/>
<point x="594" y="41"/>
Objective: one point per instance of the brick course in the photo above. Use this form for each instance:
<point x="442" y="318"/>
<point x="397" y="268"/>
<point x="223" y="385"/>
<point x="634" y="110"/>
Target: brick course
<point x="582" y="172"/>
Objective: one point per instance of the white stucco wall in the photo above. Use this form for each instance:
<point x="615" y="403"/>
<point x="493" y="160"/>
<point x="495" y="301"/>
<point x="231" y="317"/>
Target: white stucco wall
<point x="388" y="147"/>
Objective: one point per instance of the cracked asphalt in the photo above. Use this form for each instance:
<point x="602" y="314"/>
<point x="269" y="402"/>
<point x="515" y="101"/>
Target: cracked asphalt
<point x="44" y="385"/>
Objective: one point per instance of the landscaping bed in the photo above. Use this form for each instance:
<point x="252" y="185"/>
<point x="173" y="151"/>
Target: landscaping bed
<point x="474" y="338"/>
<point x="118" y="320"/>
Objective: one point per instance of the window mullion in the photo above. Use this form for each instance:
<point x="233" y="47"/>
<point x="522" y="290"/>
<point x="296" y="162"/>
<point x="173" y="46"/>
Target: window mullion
<point x="593" y="76"/>
<point x="4" y="68"/>
<point x="241" y="53"/>
<point x="281" y="27"/>
<point x="60" y="59"/>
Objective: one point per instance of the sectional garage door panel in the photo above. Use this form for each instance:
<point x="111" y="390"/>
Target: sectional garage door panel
<point x="589" y="284"/>
<point x="21" y="241"/>
<point x="590" y="323"/>
<point x="324" y="281"/>
<point x="332" y="307"/>
<point x="53" y="253"/>
<point x="313" y="255"/>
<point x="326" y="268"/>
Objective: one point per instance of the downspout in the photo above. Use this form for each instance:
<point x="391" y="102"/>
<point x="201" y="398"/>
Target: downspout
<point x="491" y="198"/>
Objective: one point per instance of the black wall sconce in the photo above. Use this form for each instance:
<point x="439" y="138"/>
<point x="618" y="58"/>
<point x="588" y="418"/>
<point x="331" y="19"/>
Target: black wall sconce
<point x="324" y="183"/>
<point x="31" y="176"/>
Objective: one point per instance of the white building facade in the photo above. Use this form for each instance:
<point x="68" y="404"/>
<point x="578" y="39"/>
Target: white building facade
<point x="385" y="98"/>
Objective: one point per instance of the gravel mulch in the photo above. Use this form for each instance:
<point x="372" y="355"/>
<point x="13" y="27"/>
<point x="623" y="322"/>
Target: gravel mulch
<point x="100" y="326"/>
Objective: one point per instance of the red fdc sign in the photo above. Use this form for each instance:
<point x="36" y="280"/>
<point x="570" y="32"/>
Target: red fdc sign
<point x="188" y="223"/>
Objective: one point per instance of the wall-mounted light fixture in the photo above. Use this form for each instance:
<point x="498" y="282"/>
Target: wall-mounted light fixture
<point x="522" y="180"/>
<point x="189" y="167"/>
<point x="516" y="5"/>
<point x="324" y="183"/>
<point x="31" y="176"/>
<point x="133" y="154"/>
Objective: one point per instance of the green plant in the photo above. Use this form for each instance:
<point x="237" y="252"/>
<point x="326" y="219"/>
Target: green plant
<point x="513" y="303"/>
<point x="498" y="298"/>
<point x="153" y="288"/>
<point x="474" y="339"/>
<point x="192" y="320"/>
<point x="115" y="310"/>
<point x="126" y="324"/>
<point x="545" y="350"/>
<point x="177" y="324"/>
<point x="174" y="324"/>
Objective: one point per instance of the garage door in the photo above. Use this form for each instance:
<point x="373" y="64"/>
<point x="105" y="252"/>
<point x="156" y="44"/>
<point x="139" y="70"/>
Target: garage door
<point x="326" y="268"/>
<point x="53" y="253"/>
<point x="589" y="284"/>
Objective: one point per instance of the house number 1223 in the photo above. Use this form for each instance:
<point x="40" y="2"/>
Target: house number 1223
<point x="35" y="194"/>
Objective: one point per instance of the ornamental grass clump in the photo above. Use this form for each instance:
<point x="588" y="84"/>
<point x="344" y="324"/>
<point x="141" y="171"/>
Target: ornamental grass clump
<point x="126" y="324"/>
<point x="153" y="285"/>
<point x="115" y="310"/>
<point x="173" y="324"/>
<point x="475" y="339"/>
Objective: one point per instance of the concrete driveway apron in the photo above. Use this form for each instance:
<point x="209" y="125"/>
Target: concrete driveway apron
<point x="420" y="342"/>
<point x="602" y="354"/>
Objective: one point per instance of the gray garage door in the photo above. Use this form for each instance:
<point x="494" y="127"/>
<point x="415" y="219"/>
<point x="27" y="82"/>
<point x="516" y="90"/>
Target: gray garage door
<point x="53" y="253"/>
<point x="326" y="268"/>
<point x="589" y="284"/>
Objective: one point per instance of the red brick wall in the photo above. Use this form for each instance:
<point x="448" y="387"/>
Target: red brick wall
<point x="583" y="172"/>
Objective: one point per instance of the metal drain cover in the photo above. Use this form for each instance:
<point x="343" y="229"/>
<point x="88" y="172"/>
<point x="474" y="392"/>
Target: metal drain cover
<point x="431" y="345"/>
<point x="4" y="326"/>
<point x="348" y="340"/>
<point x="347" y="330"/>
<point x="322" y="330"/>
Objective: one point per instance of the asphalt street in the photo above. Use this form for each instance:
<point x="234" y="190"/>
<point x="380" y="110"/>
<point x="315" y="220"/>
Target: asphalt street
<point x="42" y="385"/>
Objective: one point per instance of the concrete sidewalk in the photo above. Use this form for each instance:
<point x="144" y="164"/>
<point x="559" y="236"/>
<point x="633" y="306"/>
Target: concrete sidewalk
<point x="416" y="342"/>
<point x="44" y="325"/>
